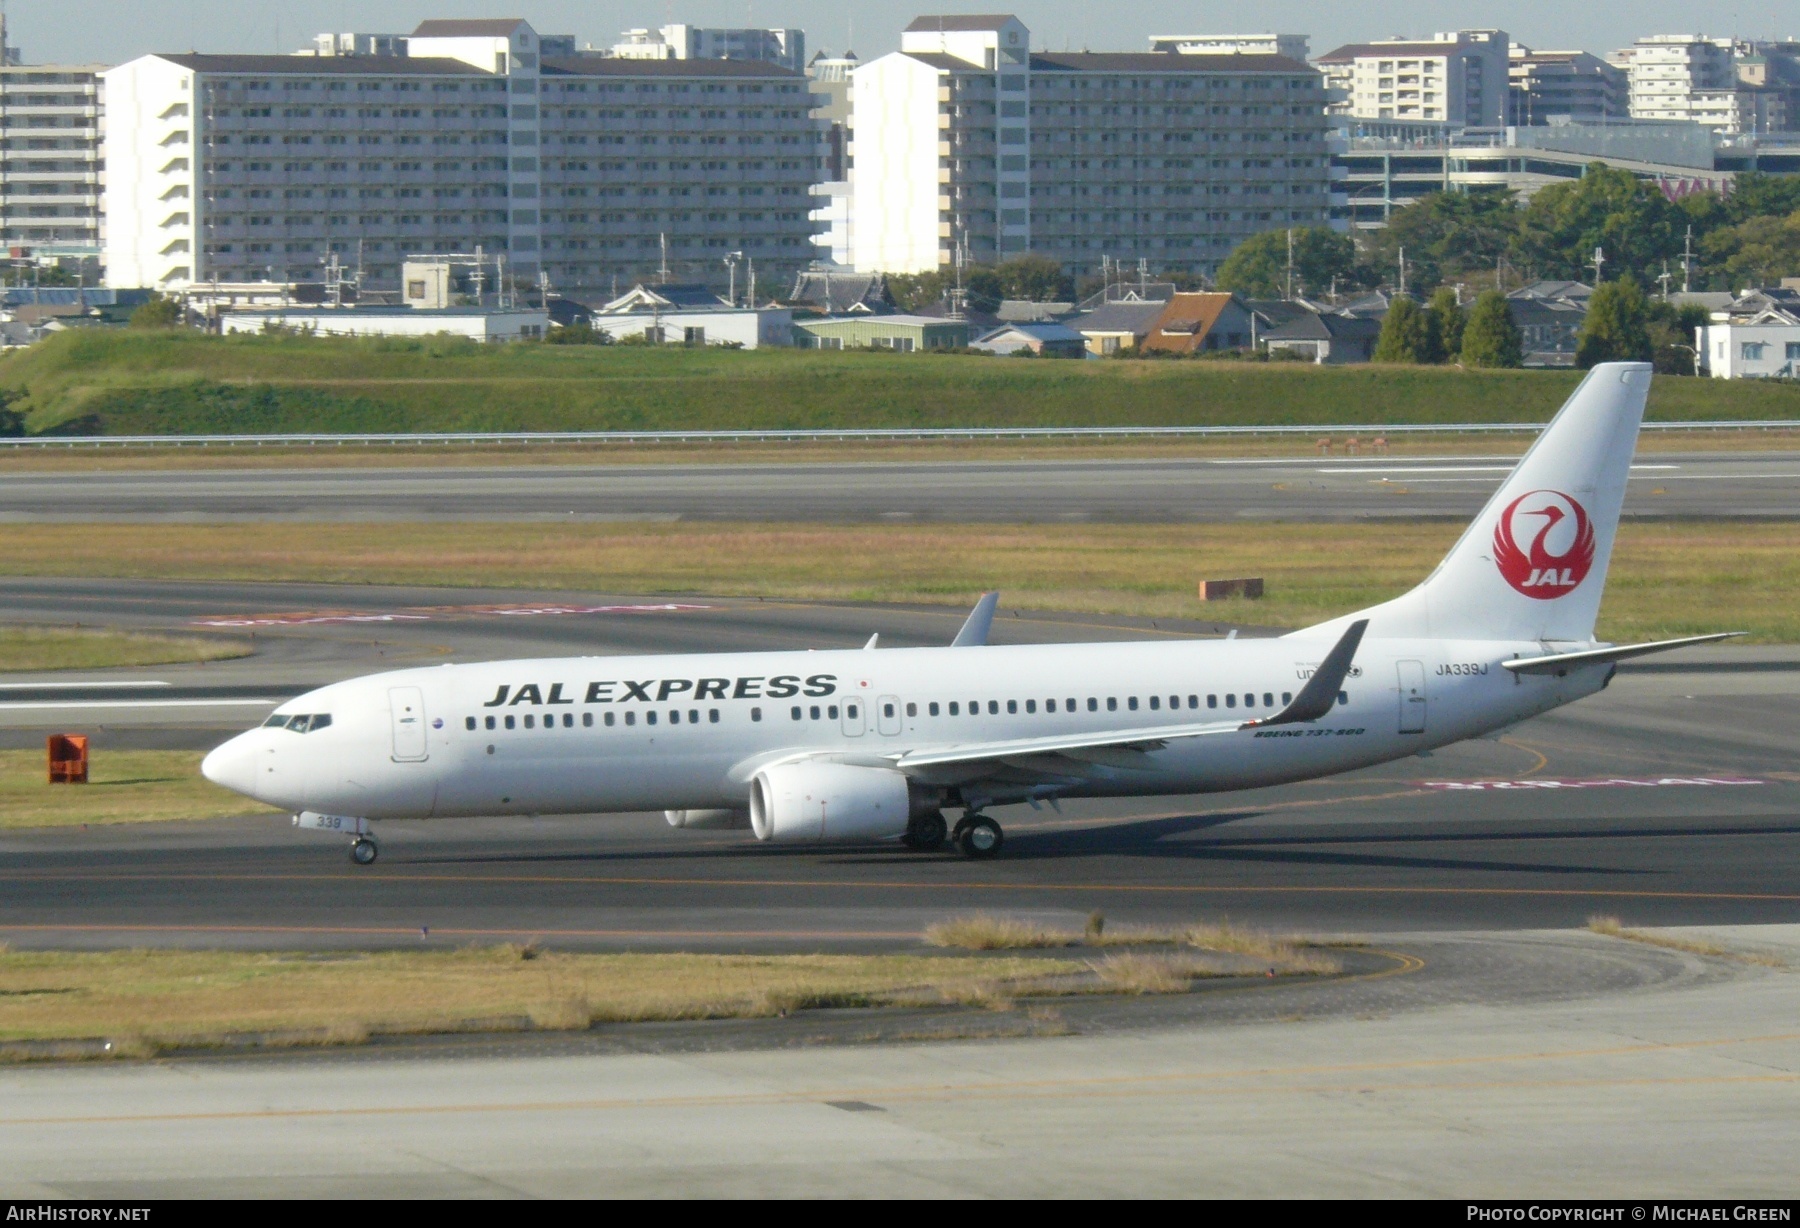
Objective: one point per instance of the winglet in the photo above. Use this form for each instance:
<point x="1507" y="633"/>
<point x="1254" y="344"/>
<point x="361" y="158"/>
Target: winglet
<point x="1321" y="690"/>
<point x="974" y="631"/>
<point x="873" y="641"/>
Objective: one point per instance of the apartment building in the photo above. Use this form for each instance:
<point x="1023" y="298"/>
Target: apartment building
<point x="579" y="168"/>
<point x="1574" y="84"/>
<point x="684" y="42"/>
<point x="1293" y="46"/>
<point x="1459" y="79"/>
<point x="1671" y="73"/>
<point x="50" y="155"/>
<point x="969" y="146"/>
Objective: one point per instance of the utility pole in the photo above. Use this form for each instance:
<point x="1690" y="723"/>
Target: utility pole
<point x="731" y="260"/>
<point x="1664" y="279"/>
<point x="1290" y="264"/>
<point x="1403" y="268"/>
<point x="1599" y="263"/>
<point x="662" y="274"/>
<point x="1687" y="258"/>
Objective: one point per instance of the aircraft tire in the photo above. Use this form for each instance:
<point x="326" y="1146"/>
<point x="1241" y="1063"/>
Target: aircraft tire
<point x="364" y="852"/>
<point x="979" y="837"/>
<point x="927" y="832"/>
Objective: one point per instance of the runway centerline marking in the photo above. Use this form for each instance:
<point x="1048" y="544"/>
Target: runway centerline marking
<point x="1109" y="1086"/>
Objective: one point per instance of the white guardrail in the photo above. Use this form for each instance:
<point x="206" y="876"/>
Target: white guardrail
<point x="877" y="434"/>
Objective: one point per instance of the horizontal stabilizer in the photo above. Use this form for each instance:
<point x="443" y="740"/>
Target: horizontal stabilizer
<point x="974" y="631"/>
<point x="1595" y="656"/>
<point x="1321" y="690"/>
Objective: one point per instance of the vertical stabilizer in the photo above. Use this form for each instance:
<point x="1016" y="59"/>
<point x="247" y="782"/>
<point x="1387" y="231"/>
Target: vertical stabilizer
<point x="1533" y="564"/>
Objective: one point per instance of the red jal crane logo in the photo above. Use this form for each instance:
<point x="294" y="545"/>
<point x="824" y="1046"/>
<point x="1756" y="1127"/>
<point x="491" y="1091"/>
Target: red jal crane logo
<point x="1544" y="544"/>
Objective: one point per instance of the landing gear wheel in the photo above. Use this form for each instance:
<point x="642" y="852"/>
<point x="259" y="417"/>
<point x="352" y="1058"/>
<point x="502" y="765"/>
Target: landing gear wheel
<point x="979" y="836"/>
<point x="927" y="832"/>
<point x="364" y="852"/>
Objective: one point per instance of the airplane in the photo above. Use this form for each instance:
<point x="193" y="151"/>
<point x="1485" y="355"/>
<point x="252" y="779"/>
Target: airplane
<point x="873" y="745"/>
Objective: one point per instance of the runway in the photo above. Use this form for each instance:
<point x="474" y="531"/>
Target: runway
<point x="1671" y="798"/>
<point x="1711" y="484"/>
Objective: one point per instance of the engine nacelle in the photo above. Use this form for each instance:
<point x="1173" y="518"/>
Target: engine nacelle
<point x="708" y="820"/>
<point x="828" y="802"/>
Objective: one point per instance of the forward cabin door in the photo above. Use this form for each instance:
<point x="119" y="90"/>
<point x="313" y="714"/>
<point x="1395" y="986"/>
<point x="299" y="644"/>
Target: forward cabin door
<point x="1412" y="696"/>
<point x="407" y="705"/>
<point x="854" y="717"/>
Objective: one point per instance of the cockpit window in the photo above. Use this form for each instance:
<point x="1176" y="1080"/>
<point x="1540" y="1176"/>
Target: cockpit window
<point x="299" y="722"/>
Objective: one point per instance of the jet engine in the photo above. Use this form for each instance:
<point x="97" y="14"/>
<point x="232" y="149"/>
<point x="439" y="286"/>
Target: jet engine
<point x="707" y="820"/>
<point x="794" y="803"/>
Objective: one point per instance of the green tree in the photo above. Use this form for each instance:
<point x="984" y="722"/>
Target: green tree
<point x="1632" y="222"/>
<point x="1449" y="319"/>
<point x="1407" y="335"/>
<point x="914" y="292"/>
<point x="12" y="422"/>
<point x="1491" y="339"/>
<point x="1036" y="278"/>
<point x="1447" y="236"/>
<point x="1258" y="266"/>
<point x="1671" y="331"/>
<point x="1758" y="251"/>
<point x="1616" y="328"/>
<point x="1760" y="194"/>
<point x="157" y="312"/>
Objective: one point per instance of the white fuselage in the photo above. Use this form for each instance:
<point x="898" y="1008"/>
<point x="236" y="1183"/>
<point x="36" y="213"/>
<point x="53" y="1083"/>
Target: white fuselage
<point x="613" y="734"/>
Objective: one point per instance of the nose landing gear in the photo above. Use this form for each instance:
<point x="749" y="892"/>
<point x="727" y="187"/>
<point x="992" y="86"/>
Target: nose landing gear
<point x="364" y="850"/>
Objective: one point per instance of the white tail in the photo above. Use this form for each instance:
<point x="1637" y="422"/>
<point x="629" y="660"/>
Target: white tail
<point x="1532" y="565"/>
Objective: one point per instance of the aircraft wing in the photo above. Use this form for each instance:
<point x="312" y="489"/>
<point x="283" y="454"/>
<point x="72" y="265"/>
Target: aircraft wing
<point x="1315" y="700"/>
<point x="1594" y="656"/>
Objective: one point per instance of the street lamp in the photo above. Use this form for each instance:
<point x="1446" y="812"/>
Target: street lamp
<point x="731" y="262"/>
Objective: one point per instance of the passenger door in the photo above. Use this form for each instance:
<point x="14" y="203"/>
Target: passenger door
<point x="1412" y="696"/>
<point x="407" y="706"/>
<point x="887" y="716"/>
<point x="854" y="718"/>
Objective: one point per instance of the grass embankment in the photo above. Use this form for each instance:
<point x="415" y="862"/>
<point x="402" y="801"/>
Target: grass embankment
<point x="1612" y="927"/>
<point x="48" y="648"/>
<point x="147" y="1000"/>
<point x="121" y="382"/>
<point x="1668" y="578"/>
<point x="124" y="786"/>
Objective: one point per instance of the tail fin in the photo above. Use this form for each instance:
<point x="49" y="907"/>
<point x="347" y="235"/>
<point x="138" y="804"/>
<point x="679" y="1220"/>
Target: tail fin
<point x="1532" y="565"/>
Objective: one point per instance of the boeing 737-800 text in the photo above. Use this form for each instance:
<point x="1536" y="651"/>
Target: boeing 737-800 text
<point x="874" y="745"/>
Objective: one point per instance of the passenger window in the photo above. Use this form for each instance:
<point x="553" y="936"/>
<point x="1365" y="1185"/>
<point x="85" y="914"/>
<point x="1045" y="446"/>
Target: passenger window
<point x="1112" y="704"/>
<point x="609" y="720"/>
<point x="912" y="709"/>
<point x="587" y="720"/>
<point x="953" y="710"/>
<point x="693" y="716"/>
<point x="1012" y="706"/>
<point x="1287" y="697"/>
<point x="1174" y="702"/>
<point x="568" y="720"/>
<point x="814" y="712"/>
<point x="631" y="718"/>
<point x="1193" y="701"/>
<point x="1212" y="701"/>
<point x="1031" y="705"/>
<point x="1250" y="701"/>
<point x="1343" y="698"/>
<point x="1049" y="705"/>
<point x="1132" y="703"/>
<point x="509" y="722"/>
<point x="1231" y="701"/>
<point x="1155" y="703"/>
<point x="1268" y="700"/>
<point x="993" y="707"/>
<point x="1093" y="705"/>
<point x="469" y="722"/>
<point x="530" y="721"/>
<point x="849" y="711"/>
<point x="832" y="712"/>
<point x="756" y="714"/>
<point x="796" y="713"/>
<point x="712" y="715"/>
<point x="887" y="709"/>
<point x="649" y="718"/>
<point x="932" y="708"/>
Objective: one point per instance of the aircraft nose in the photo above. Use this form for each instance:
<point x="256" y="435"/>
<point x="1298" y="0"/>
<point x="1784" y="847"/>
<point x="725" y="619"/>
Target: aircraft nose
<point x="231" y="765"/>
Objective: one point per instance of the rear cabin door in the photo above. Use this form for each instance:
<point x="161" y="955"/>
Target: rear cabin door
<point x="407" y="705"/>
<point x="887" y="716"/>
<point x="1412" y="696"/>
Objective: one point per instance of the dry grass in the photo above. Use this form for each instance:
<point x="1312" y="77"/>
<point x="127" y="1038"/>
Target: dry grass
<point x="1612" y="927"/>
<point x="1136" y="973"/>
<point x="988" y="932"/>
<point x="163" y="998"/>
<point x="124" y="786"/>
<point x="1668" y="578"/>
<point x="31" y="649"/>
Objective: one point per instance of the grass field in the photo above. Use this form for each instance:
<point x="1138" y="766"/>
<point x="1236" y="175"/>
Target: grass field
<point x="124" y="786"/>
<point x="146" y="1000"/>
<point x="123" y="382"/>
<point x="1668" y="578"/>
<point x="47" y="648"/>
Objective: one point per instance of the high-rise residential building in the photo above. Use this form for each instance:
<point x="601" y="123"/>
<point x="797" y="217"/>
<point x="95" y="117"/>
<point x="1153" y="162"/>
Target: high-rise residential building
<point x="684" y="42"/>
<point x="1671" y="72"/>
<point x="581" y="168"/>
<point x="50" y="154"/>
<point x="1458" y="79"/>
<point x="1293" y="46"/>
<point x="1572" y="84"/>
<point x="830" y="77"/>
<point x="970" y="146"/>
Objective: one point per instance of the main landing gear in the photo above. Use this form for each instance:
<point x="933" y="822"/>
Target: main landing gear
<point x="926" y="832"/>
<point x="978" y="836"/>
<point x="364" y="851"/>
